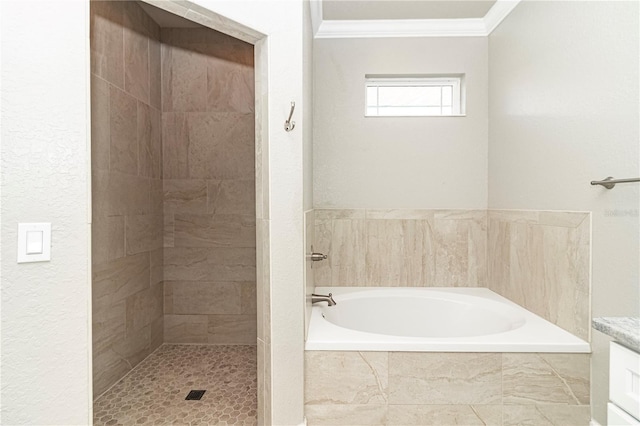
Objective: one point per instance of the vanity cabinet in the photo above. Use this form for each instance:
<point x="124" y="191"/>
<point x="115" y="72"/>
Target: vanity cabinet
<point x="624" y="386"/>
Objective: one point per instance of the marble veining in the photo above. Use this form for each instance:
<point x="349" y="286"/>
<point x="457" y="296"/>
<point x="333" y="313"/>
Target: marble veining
<point x="625" y="330"/>
<point x="538" y="259"/>
<point x="400" y="247"/>
<point x="401" y="388"/>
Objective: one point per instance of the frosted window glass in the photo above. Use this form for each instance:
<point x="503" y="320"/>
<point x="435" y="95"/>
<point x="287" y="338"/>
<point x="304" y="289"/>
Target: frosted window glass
<point x="409" y="96"/>
<point x="372" y="96"/>
<point x="426" y="96"/>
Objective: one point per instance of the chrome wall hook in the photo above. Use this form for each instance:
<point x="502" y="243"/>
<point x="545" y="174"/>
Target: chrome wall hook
<point x="290" y="125"/>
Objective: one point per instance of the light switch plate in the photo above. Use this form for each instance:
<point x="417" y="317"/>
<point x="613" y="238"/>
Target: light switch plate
<point x="34" y="242"/>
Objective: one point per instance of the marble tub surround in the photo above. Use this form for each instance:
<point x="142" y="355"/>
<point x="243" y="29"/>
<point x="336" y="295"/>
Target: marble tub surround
<point x="625" y="330"/>
<point x="208" y="188"/>
<point x="401" y="247"/>
<point x="538" y="259"/>
<point x="541" y="261"/>
<point x="399" y="388"/>
<point x="127" y="189"/>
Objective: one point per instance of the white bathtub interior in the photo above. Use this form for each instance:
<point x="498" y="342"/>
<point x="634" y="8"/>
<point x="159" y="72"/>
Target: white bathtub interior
<point x="432" y="319"/>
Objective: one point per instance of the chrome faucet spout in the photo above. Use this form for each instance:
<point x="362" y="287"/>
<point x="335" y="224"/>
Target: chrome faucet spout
<point x="316" y="298"/>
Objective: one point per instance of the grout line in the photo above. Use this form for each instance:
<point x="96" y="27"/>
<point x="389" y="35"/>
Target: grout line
<point x="562" y="379"/>
<point x="127" y="374"/>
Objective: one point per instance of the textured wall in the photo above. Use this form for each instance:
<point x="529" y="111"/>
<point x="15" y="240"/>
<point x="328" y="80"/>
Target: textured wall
<point x="209" y="188"/>
<point x="46" y="378"/>
<point x="278" y="22"/>
<point x="398" y="162"/>
<point x="564" y="107"/>
<point x="127" y="189"/>
<point x="307" y="108"/>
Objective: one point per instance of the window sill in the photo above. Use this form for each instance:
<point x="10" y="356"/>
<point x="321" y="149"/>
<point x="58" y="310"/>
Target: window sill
<point x="415" y="116"/>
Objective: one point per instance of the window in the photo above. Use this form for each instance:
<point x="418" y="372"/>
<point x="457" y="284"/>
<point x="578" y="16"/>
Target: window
<point x="413" y="96"/>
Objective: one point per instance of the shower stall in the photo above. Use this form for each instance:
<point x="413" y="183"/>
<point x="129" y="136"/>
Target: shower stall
<point x="174" y="216"/>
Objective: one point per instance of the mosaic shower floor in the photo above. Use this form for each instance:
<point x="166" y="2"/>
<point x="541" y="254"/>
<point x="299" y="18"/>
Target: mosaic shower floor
<point x="154" y="392"/>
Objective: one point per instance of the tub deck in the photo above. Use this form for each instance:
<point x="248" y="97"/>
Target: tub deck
<point x="535" y="335"/>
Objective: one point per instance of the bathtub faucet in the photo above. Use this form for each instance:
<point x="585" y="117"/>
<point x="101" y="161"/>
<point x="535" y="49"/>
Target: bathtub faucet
<point x="315" y="298"/>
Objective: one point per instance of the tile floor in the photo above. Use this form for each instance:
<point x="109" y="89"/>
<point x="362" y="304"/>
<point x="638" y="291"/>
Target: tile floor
<point x="154" y="392"/>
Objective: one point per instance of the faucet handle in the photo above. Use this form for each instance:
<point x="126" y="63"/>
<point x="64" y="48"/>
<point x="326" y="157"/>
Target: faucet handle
<point x="317" y="257"/>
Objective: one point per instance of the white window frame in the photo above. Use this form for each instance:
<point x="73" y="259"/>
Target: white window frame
<point x="456" y="81"/>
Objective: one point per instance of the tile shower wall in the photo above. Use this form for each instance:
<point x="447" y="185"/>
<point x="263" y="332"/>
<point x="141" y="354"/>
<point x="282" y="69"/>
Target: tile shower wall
<point x="411" y="388"/>
<point x="127" y="189"/>
<point x="541" y="260"/>
<point x="209" y="188"/>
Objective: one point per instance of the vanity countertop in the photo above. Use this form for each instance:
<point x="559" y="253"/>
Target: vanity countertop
<point x="625" y="330"/>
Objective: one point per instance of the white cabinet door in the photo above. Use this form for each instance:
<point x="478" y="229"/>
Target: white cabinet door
<point x="624" y="379"/>
<point x="617" y="417"/>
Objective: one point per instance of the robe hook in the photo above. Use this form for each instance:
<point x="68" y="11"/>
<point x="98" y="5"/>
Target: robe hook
<point x="289" y="125"/>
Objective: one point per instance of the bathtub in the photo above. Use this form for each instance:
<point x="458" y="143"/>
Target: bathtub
<point x="431" y="319"/>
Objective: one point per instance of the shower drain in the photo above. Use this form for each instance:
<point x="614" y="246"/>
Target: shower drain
<point x="195" y="395"/>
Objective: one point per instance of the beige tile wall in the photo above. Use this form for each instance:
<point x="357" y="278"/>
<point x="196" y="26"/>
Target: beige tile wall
<point x="538" y="259"/>
<point x="209" y="188"/>
<point x="541" y="260"/>
<point x="412" y="248"/>
<point x="127" y="196"/>
<point x="411" y="388"/>
<point x="173" y="166"/>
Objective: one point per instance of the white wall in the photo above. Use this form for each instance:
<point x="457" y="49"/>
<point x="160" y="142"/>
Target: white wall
<point x="564" y="110"/>
<point x="46" y="340"/>
<point x="307" y="50"/>
<point x="46" y="370"/>
<point x="309" y="236"/>
<point x="403" y="162"/>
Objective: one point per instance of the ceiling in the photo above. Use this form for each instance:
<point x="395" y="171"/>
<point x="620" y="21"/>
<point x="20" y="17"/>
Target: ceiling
<point x="407" y="18"/>
<point x="404" y="9"/>
<point x="167" y="19"/>
<point x="386" y="18"/>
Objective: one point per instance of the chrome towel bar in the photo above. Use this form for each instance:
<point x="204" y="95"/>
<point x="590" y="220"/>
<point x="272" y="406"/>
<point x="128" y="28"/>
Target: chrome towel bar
<point x="610" y="182"/>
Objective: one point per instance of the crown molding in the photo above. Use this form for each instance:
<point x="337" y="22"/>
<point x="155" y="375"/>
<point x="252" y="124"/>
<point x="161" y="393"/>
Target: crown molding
<point x="401" y="28"/>
<point x="316" y="15"/>
<point x="472" y="27"/>
<point x="500" y="10"/>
